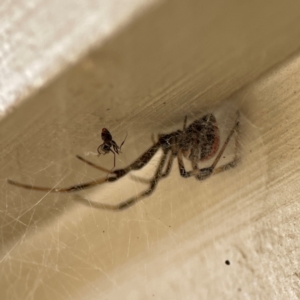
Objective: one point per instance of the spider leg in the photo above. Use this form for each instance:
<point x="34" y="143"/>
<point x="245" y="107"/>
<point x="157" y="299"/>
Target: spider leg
<point x="232" y="131"/>
<point x="94" y="165"/>
<point x="123" y="142"/>
<point x="114" y="153"/>
<point x="181" y="166"/>
<point x="72" y="188"/>
<point x="115" y="147"/>
<point x="164" y="174"/>
<point x="133" y="200"/>
<point x="137" y="164"/>
<point x="236" y="158"/>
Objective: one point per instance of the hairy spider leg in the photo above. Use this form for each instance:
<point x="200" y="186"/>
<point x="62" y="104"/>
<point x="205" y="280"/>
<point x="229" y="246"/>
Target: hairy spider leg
<point x="114" y="153"/>
<point x="236" y="158"/>
<point x="123" y="142"/>
<point x="133" y="200"/>
<point x="163" y="174"/>
<point x="137" y="164"/>
<point x="117" y="149"/>
<point x="72" y="188"/>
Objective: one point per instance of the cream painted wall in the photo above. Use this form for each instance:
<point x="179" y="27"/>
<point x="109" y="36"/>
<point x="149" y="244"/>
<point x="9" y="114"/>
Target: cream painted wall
<point x="176" y="59"/>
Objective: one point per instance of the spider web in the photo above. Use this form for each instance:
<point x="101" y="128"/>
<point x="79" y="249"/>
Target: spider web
<point x="53" y="246"/>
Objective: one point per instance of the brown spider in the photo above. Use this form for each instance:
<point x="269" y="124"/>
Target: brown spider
<point x="197" y="142"/>
<point x="109" y="143"/>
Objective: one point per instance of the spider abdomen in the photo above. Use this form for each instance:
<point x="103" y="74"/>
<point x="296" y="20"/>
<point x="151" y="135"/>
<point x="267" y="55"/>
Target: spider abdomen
<point x="210" y="143"/>
<point x="204" y="135"/>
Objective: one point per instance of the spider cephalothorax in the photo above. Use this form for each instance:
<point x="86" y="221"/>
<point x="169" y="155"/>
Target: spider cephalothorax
<point x="197" y="142"/>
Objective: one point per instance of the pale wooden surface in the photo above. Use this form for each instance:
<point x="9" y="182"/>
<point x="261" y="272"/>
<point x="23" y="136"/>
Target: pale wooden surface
<point x="177" y="60"/>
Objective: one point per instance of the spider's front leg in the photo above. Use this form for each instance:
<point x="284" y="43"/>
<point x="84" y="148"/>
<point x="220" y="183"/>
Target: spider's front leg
<point x="136" y="165"/>
<point x="114" y="175"/>
<point x="169" y="145"/>
<point x="200" y="174"/>
<point x="164" y="173"/>
<point x="133" y="200"/>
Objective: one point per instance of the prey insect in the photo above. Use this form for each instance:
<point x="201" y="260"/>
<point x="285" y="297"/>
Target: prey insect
<point x="198" y="142"/>
<point x="109" y="145"/>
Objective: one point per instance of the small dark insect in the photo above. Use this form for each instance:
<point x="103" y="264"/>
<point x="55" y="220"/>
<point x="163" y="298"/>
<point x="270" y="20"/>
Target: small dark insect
<point x="197" y="142"/>
<point x="108" y="144"/>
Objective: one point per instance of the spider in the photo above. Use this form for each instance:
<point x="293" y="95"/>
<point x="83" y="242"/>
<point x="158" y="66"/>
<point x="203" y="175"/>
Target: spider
<point x="197" y="142"/>
<point x="109" y="143"/>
